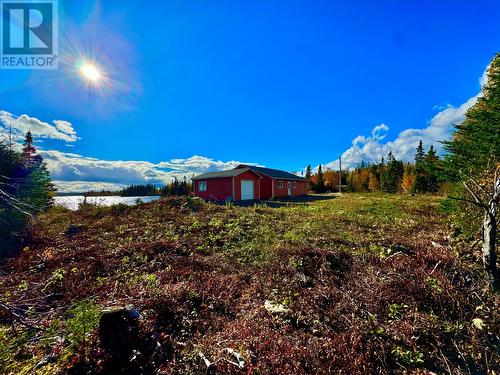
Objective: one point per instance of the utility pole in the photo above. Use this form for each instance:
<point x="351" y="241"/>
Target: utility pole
<point x="340" y="174"/>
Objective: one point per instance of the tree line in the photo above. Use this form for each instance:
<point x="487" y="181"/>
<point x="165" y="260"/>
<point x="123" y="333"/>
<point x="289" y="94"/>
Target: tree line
<point x="174" y="188"/>
<point x="390" y="175"/>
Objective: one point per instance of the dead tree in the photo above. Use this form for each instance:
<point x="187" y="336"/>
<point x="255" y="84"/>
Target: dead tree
<point x="487" y="200"/>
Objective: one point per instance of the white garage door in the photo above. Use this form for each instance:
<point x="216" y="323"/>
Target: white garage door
<point x="247" y="189"/>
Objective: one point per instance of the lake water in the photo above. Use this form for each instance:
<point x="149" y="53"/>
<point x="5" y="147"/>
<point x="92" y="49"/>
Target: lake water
<point x="72" y="202"/>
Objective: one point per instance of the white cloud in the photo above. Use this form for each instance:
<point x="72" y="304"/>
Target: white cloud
<point x="73" y="172"/>
<point x="61" y="130"/>
<point x="198" y="164"/>
<point x="377" y="131"/>
<point x="372" y="149"/>
<point x="65" y="127"/>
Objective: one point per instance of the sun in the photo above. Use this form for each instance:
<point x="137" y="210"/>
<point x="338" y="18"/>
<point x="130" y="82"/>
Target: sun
<point x="90" y="72"/>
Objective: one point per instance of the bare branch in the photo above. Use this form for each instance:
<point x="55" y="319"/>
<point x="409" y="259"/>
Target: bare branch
<point x="468" y="201"/>
<point x="478" y="185"/>
<point x="17" y="204"/>
<point x="479" y="202"/>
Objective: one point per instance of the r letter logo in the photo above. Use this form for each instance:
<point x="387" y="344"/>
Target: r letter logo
<point x="29" y="37"/>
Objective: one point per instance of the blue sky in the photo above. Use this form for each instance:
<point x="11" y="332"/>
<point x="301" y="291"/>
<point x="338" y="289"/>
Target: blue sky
<point x="192" y="86"/>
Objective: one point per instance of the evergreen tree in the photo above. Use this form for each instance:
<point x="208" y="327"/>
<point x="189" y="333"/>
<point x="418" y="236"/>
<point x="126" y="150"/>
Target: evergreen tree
<point x="393" y="174"/>
<point x="390" y="157"/>
<point x="320" y="183"/>
<point x="475" y="147"/>
<point x="420" y="184"/>
<point x="29" y="149"/>
<point x="36" y="189"/>
<point x="25" y="190"/>
<point x="308" y="177"/>
<point x="308" y="172"/>
<point x="11" y="218"/>
<point x="381" y="173"/>
<point x="420" y="154"/>
<point x="432" y="168"/>
<point x="10" y="163"/>
<point x="138" y="190"/>
<point x="177" y="187"/>
<point x="474" y="160"/>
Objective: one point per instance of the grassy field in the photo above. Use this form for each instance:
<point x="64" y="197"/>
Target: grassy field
<point x="360" y="283"/>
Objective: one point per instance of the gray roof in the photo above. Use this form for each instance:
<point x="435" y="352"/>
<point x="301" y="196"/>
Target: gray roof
<point x="220" y="174"/>
<point x="273" y="173"/>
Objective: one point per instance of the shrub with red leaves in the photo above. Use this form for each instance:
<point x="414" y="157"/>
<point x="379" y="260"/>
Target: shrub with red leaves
<point x="353" y="298"/>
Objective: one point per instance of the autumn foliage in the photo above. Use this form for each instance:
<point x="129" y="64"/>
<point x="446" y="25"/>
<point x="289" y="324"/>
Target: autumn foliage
<point x="390" y="175"/>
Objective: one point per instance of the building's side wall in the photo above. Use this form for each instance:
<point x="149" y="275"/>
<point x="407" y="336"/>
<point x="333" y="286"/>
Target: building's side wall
<point x="217" y="188"/>
<point x="300" y="188"/>
<point x="280" y="192"/>
<point x="266" y="187"/>
<point x="248" y="175"/>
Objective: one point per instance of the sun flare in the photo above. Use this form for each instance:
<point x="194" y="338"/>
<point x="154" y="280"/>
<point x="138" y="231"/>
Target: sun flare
<point x="90" y="72"/>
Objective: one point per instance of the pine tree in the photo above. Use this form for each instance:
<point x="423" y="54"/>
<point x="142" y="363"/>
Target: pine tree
<point x="432" y="168"/>
<point x="420" y="183"/>
<point x="25" y="189"/>
<point x="381" y="173"/>
<point x="474" y="160"/>
<point x="390" y="157"/>
<point x="10" y="162"/>
<point x="39" y="190"/>
<point x="29" y="149"/>
<point x="308" y="172"/>
<point x="184" y="188"/>
<point x="475" y="147"/>
<point x="420" y="154"/>
<point x="36" y="187"/>
<point x="308" y="177"/>
<point x="11" y="217"/>
<point x="393" y="174"/>
<point x="320" y="183"/>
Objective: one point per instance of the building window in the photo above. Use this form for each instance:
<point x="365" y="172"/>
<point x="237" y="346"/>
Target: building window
<point x="280" y="184"/>
<point x="294" y="184"/>
<point x="202" y="186"/>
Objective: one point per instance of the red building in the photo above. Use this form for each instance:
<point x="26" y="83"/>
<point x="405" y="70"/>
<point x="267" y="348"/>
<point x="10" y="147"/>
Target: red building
<point x="246" y="182"/>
